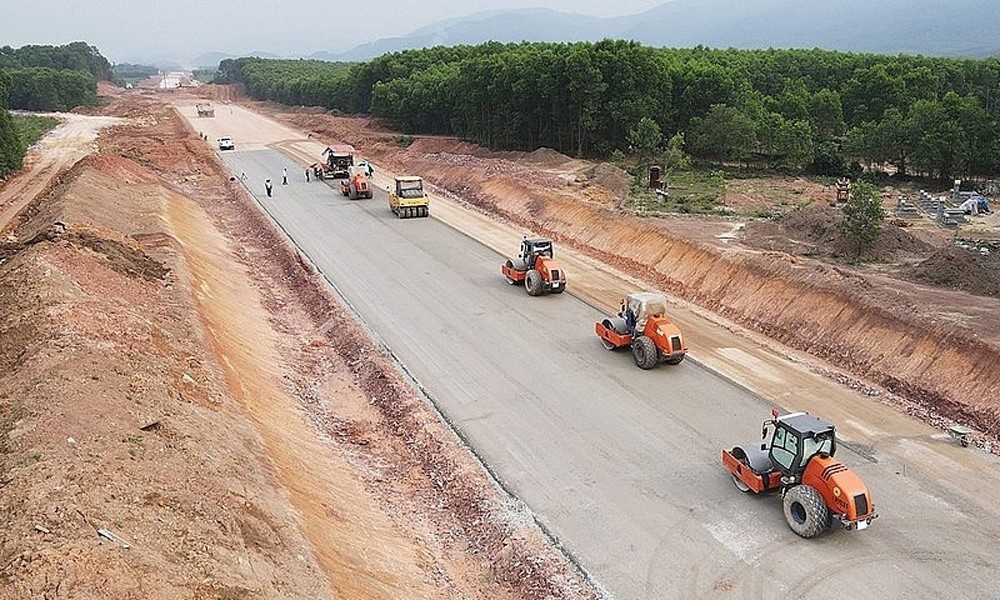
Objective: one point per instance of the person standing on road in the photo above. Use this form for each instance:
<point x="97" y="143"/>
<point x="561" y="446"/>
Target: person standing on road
<point x="267" y="186"/>
<point x="307" y="174"/>
<point x="284" y="177"/>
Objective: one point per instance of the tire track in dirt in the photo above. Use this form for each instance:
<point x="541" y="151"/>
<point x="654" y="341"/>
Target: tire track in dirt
<point x="73" y="139"/>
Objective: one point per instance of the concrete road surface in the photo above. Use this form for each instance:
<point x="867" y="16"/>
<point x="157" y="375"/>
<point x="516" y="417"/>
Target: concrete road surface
<point x="620" y="465"/>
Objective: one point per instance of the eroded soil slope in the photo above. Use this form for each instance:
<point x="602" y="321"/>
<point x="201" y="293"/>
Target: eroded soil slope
<point x="113" y="419"/>
<point x="177" y="381"/>
<point x="938" y="348"/>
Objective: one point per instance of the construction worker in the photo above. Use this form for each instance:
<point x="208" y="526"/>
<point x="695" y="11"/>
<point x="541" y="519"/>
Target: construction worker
<point x="307" y="175"/>
<point x="268" y="186"/>
<point x="284" y="177"/>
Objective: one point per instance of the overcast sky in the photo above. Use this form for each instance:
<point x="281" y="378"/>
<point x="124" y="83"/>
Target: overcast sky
<point x="132" y="30"/>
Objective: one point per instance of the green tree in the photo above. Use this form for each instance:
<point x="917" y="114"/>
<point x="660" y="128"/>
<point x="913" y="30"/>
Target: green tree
<point x="11" y="149"/>
<point x="725" y="133"/>
<point x="863" y="216"/>
<point x="826" y="114"/>
<point x="645" y="138"/>
<point x="677" y="159"/>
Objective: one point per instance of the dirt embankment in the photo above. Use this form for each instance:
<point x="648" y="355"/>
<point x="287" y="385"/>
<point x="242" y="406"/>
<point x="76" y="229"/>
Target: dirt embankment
<point x="938" y="348"/>
<point x="113" y="419"/>
<point x="175" y="376"/>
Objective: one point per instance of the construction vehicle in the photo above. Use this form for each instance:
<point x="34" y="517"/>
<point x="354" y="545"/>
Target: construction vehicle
<point x="339" y="158"/>
<point x="205" y="109"/>
<point x="796" y="458"/>
<point x="536" y="267"/>
<point x="408" y="199"/>
<point x="356" y="185"/>
<point x="642" y="325"/>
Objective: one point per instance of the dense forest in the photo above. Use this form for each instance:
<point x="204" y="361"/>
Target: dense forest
<point x="43" y="78"/>
<point x="294" y="82"/>
<point x="11" y="150"/>
<point x="53" y="77"/>
<point x="814" y="110"/>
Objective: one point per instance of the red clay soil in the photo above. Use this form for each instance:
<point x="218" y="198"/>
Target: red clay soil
<point x="789" y="280"/>
<point x="974" y="269"/>
<point x="122" y="423"/>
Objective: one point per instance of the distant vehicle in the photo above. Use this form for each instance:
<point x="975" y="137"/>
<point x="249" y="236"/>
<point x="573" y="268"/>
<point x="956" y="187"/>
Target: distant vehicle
<point x="536" y="268"/>
<point x="356" y="185"/>
<point x="226" y="143"/>
<point x="643" y="326"/>
<point x="339" y="158"/>
<point x="408" y="199"/>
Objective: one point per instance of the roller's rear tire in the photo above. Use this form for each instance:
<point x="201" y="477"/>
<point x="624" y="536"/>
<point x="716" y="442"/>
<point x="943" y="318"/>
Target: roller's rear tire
<point x="806" y="513"/>
<point x="533" y="283"/>
<point x="644" y="352"/>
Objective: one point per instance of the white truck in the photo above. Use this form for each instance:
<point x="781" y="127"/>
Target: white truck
<point x="226" y="143"/>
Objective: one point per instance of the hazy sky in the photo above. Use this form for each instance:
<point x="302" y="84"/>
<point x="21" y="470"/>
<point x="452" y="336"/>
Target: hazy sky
<point x="132" y="30"/>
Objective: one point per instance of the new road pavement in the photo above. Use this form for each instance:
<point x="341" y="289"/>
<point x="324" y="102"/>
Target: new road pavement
<point x="620" y="465"/>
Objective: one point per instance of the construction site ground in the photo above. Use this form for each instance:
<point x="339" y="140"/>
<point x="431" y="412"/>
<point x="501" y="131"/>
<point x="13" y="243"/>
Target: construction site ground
<point x="177" y="378"/>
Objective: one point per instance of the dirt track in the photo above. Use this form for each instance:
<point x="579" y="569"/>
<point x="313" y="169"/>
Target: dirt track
<point x="56" y="152"/>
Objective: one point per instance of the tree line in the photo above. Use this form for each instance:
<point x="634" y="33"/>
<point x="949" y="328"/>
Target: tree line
<point x="43" y="78"/>
<point x="11" y="150"/>
<point x="18" y="132"/>
<point x="124" y="74"/>
<point x="53" y="77"/>
<point x="293" y="82"/>
<point x="814" y="110"/>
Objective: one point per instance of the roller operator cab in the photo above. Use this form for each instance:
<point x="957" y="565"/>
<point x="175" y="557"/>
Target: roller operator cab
<point x="536" y="267"/>
<point x="407" y="198"/>
<point x="642" y="325"/>
<point x="796" y="457"/>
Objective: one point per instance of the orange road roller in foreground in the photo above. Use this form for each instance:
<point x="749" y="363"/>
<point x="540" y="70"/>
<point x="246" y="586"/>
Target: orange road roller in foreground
<point x="796" y="458"/>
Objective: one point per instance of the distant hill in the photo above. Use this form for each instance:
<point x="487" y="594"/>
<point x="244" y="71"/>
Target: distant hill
<point x="211" y="59"/>
<point x="502" y="26"/>
<point x="930" y="27"/>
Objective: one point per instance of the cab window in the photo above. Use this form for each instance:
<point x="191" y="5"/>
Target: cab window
<point x="784" y="446"/>
<point x="822" y="443"/>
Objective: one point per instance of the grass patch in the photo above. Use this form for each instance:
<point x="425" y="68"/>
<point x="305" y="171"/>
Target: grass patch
<point x="30" y="128"/>
<point x="696" y="191"/>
